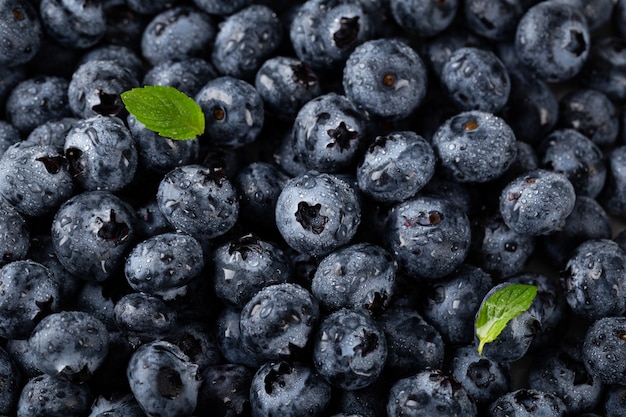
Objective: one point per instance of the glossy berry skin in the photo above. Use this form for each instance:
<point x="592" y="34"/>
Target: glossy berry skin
<point x="76" y="24"/>
<point x="221" y="7"/>
<point x="12" y="383"/>
<point x="495" y="20"/>
<point x="604" y="68"/>
<point x="93" y="223"/>
<point x="423" y="18"/>
<point x="350" y="349"/>
<point x="484" y="380"/>
<point x="245" y="40"/>
<point x="14" y="234"/>
<point x="552" y="39"/>
<point x="245" y="265"/>
<point x="164" y="264"/>
<point x="317" y="213"/>
<point x="329" y="132"/>
<point x="286" y="389"/>
<point x="177" y="33"/>
<point x="412" y="343"/>
<point x="323" y="33"/>
<point x="225" y="390"/>
<point x="285" y="85"/>
<point x="52" y="133"/>
<point x="163" y="380"/>
<point x="580" y="159"/>
<point x="475" y="146"/>
<point x="233" y="111"/>
<point x="612" y="197"/>
<point x="144" y="317"/>
<point x="452" y="302"/>
<point x="229" y="342"/>
<point x="199" y="201"/>
<point x="561" y="370"/>
<point x="591" y="113"/>
<point x="427" y="393"/>
<point x="49" y="396"/>
<point x="278" y="320"/>
<point x="37" y="100"/>
<point x="515" y="339"/>
<point x="20" y="32"/>
<point x="429" y="236"/>
<point x="70" y="344"/>
<point x="358" y="276"/>
<point x="396" y="166"/>
<point x="187" y="75"/>
<point x="537" y="202"/>
<point x="386" y="77"/>
<point x="526" y="403"/>
<point x="593" y="279"/>
<point x="159" y="154"/>
<point x="35" y="179"/>
<point x="96" y="86"/>
<point x="9" y="135"/>
<point x="28" y="293"/>
<point x="123" y="55"/>
<point x="122" y="406"/>
<point x="476" y="79"/>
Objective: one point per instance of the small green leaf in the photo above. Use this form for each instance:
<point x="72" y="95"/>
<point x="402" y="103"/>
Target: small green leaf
<point x="165" y="110"/>
<point x="500" y="308"/>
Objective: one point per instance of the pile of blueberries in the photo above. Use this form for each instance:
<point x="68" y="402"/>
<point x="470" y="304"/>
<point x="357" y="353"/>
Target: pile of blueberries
<point x="370" y="172"/>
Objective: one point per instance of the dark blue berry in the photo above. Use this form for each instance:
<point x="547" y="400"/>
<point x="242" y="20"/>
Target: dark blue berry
<point x="429" y="236"/>
<point x="526" y="402"/>
<point x="350" y="349"/>
<point x="229" y="342"/>
<point x="20" y="32"/>
<point x="49" y="396"/>
<point x="495" y="20"/>
<point x="386" y="77"/>
<point x="11" y="383"/>
<point x="423" y="18"/>
<point x="144" y="316"/>
<point x="225" y="390"/>
<point x="78" y="24"/>
<point x="187" y="75"/>
<point x="317" y="213"/>
<point x="604" y="345"/>
<point x="14" y="234"/>
<point x="123" y="55"/>
<point x="52" y="133"/>
<point x="117" y="406"/>
<point x="221" y="7"/>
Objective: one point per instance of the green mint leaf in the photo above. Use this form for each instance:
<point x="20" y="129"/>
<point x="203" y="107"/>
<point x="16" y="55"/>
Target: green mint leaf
<point x="500" y="308"/>
<point x="165" y="110"/>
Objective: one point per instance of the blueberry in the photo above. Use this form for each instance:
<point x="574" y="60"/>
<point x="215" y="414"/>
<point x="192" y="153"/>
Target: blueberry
<point x="484" y="380"/>
<point x="148" y="7"/>
<point x="612" y="196"/>
<point x="278" y="321"/>
<point x="144" y="316"/>
<point x="150" y="221"/>
<point x="221" y="7"/>
<point x="593" y="279"/>
<point x="99" y="299"/>
<point x="451" y="303"/>
<point x="537" y="202"/>
<point x="233" y="111"/>
<point x="350" y="349"/>
<point x="527" y="402"/>
<point x="159" y="154"/>
<point x="49" y="396"/>
<point x="245" y="39"/>
<point x="475" y="146"/>
<point x="552" y="39"/>
<point x="619" y="17"/>
<point x="359" y="276"/>
<point x="396" y="166"/>
<point x="288" y="390"/>
<point x="229" y="342"/>
<point x="37" y="100"/>
<point x="119" y="406"/>
<point x="591" y="113"/>
<point x="14" y="234"/>
<point x="52" y="133"/>
<point x="329" y="132"/>
<point x="603" y="69"/>
<point x="20" y="32"/>
<point x="11" y="383"/>
<point x="28" y="293"/>
<point x="198" y="201"/>
<point x="573" y="154"/>
<point x="21" y="353"/>
<point x="562" y="371"/>
<point x="422" y="17"/>
<point x="515" y="339"/>
<point x="597" y="12"/>
<point x="164" y="264"/>
<point x="179" y="32"/>
<point x="9" y="78"/>
<point x="285" y="85"/>
<point x="386" y="77"/>
<point x="70" y="344"/>
<point x="76" y="24"/>
<point x="123" y="55"/>
<point x="35" y="179"/>
<point x="317" y="213"/>
<point x="187" y="75"/>
<point x="243" y="266"/>
<point x="91" y="234"/>
<point x="125" y="25"/>
<point x="96" y="86"/>
<point x="370" y="401"/>
<point x="197" y="341"/>
<point x="429" y="236"/>
<point x="588" y="220"/>
<point x="495" y="20"/>
<point x="412" y="344"/>
<point x="427" y="393"/>
<point x="225" y="390"/>
<point x="323" y="33"/>
<point x="163" y="380"/>
<point x="615" y="401"/>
